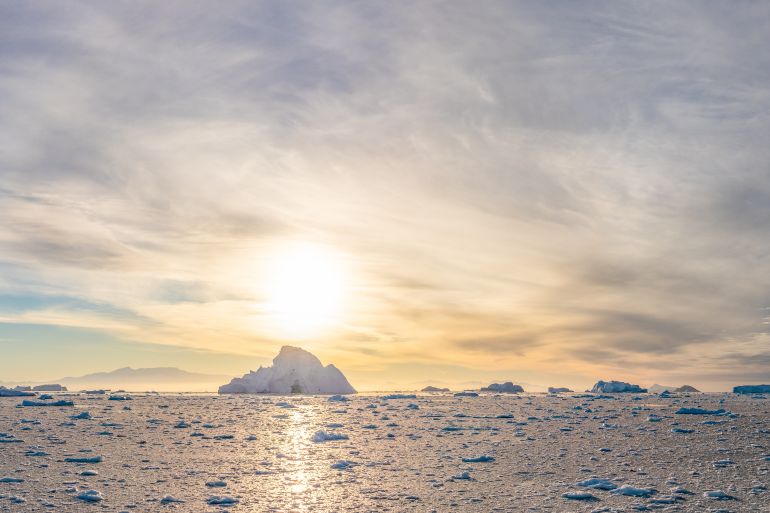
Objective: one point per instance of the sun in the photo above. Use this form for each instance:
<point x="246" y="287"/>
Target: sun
<point x="304" y="290"/>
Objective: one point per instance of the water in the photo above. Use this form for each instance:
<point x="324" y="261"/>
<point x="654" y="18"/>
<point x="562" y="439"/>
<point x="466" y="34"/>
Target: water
<point x="399" y="455"/>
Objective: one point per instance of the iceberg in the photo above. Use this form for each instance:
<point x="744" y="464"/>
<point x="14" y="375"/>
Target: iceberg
<point x="558" y="390"/>
<point x="11" y="392"/>
<point x="294" y="370"/>
<point x="431" y="388"/>
<point x="616" y="387"/>
<point x="50" y="388"/>
<point x="752" y="389"/>
<point x="506" y="387"/>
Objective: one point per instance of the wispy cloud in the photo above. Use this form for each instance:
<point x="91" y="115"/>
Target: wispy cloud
<point x="518" y="185"/>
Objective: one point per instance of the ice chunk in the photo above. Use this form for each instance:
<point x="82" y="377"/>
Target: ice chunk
<point x="479" y="459"/>
<point x="579" y="496"/>
<point x="718" y="495"/>
<point x="597" y="484"/>
<point x="633" y="491"/>
<point x="90" y="496"/>
<point x="700" y="411"/>
<point x="216" y="500"/>
<point x="85" y="459"/>
<point x="27" y="402"/>
<point x="323" y="436"/>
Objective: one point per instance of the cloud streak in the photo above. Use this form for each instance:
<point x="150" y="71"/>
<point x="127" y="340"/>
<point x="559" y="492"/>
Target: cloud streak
<point x="516" y="185"/>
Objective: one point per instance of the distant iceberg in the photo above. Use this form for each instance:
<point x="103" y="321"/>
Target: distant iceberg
<point x="11" y="392"/>
<point x="294" y="371"/>
<point x="55" y="387"/>
<point x="616" y="387"/>
<point x="506" y="387"/>
<point x="752" y="389"/>
<point x="431" y="388"/>
<point x="558" y="390"/>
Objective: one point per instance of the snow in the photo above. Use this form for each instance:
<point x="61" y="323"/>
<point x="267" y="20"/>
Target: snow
<point x="294" y="370"/>
<point x="616" y="387"/>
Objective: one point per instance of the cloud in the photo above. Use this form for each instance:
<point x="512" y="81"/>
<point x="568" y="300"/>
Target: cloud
<point x="514" y="184"/>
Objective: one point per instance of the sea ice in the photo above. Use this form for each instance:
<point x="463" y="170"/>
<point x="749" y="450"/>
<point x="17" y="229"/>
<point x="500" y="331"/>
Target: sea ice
<point x="323" y="436"/>
<point x="90" y="496"/>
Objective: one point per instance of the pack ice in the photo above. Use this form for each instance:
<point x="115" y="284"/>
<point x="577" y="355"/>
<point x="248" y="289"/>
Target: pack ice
<point x="294" y="370"/>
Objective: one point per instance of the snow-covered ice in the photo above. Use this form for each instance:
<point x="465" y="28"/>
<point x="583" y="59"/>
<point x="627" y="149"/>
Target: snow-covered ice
<point x="493" y="452"/>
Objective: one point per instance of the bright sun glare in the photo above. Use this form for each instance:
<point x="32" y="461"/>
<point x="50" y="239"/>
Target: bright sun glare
<point x="305" y="286"/>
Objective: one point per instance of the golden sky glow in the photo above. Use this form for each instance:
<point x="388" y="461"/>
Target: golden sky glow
<point x="449" y="193"/>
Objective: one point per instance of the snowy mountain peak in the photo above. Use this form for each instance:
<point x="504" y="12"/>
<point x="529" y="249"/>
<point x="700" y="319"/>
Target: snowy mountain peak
<point x="294" y="370"/>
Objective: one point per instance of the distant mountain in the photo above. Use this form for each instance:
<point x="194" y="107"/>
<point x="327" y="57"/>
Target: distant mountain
<point x="162" y="379"/>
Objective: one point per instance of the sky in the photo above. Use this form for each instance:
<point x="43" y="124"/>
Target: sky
<point x="443" y="192"/>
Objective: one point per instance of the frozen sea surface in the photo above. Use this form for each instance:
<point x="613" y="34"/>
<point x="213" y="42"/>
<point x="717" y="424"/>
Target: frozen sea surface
<point x="528" y="453"/>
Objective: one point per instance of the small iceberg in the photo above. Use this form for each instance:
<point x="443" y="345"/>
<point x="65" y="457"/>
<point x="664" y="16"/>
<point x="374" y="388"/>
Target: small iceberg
<point x="597" y="484"/>
<point x="718" y="495"/>
<point x="633" y="491"/>
<point x="323" y="436"/>
<point x="752" y="389"/>
<point x="28" y="403"/>
<point x="168" y="499"/>
<point x="579" y="496"/>
<point x="216" y="500"/>
<point x="90" y="496"/>
<point x="87" y="459"/>
<point x="616" y="387"/>
<point x="400" y="396"/>
<point x="479" y="459"/>
<point x="558" y="390"/>
<point x="700" y="411"/>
